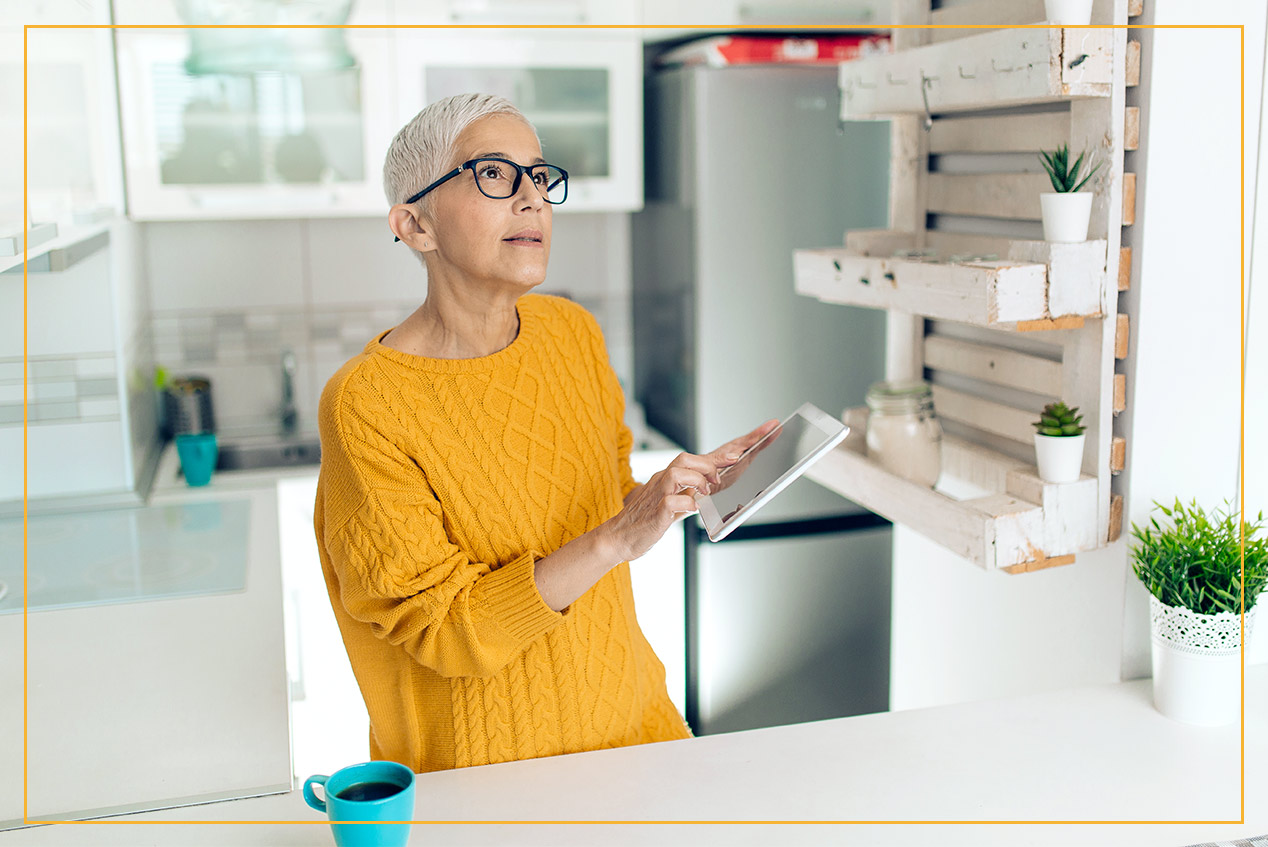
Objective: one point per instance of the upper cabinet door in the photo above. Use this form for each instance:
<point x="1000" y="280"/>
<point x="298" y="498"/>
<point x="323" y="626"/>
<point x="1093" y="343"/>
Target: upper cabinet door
<point x="288" y="143"/>
<point x="67" y="123"/>
<point x="581" y="90"/>
<point x="513" y="12"/>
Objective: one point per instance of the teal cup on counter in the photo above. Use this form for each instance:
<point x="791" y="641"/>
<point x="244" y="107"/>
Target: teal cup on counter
<point x="197" y="453"/>
<point x="380" y="795"/>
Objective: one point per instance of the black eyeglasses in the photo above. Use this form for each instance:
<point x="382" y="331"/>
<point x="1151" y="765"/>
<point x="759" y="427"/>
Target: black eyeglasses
<point x="499" y="179"/>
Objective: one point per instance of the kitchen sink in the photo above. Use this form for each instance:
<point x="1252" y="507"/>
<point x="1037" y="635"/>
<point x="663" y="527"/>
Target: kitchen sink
<point x="261" y="452"/>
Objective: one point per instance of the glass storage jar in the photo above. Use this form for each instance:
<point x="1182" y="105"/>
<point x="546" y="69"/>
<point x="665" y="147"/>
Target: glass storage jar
<point x="903" y="433"/>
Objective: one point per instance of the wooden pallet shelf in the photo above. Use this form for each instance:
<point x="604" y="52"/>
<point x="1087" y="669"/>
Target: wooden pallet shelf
<point x="987" y="507"/>
<point x="1029" y="281"/>
<point x="1010" y="67"/>
<point x="997" y="323"/>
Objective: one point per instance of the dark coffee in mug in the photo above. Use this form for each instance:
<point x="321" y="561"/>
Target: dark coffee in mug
<point x="369" y="804"/>
<point x="360" y="792"/>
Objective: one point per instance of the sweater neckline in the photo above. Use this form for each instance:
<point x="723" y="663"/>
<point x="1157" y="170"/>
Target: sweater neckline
<point x="509" y="354"/>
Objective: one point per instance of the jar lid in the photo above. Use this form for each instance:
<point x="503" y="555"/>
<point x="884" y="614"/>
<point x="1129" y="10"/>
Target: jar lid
<point x="899" y="395"/>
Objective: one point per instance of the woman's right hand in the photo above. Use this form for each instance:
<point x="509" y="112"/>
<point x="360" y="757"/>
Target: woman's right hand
<point x="653" y="507"/>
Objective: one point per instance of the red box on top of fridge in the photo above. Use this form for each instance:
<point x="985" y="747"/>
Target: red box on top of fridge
<point x="721" y="50"/>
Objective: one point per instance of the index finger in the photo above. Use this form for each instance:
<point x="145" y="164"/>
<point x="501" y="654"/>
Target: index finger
<point x="731" y="451"/>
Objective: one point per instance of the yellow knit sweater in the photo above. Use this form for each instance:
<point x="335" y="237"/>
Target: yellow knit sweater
<point x="442" y="482"/>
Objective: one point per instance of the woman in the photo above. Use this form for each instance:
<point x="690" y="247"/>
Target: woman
<point x="475" y="511"/>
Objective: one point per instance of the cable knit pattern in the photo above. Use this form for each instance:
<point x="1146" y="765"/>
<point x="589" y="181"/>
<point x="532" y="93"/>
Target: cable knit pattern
<point x="442" y="482"/>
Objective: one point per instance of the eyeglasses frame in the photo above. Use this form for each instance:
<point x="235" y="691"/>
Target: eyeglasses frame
<point x="520" y="170"/>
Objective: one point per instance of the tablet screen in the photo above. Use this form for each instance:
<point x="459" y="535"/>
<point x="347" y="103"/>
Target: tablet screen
<point x="767" y="467"/>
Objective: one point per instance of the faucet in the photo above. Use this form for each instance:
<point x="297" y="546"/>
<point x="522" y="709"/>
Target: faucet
<point x="290" y="415"/>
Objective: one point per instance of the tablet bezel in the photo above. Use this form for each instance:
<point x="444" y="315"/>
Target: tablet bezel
<point x="835" y="430"/>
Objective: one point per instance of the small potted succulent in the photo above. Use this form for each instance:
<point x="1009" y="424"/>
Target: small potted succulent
<point x="1068" y="12"/>
<point x="1198" y="580"/>
<point x="1066" y="210"/>
<point x="1059" y="437"/>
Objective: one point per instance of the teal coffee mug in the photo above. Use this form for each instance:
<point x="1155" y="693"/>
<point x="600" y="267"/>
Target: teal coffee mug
<point x="371" y="792"/>
<point x="197" y="453"/>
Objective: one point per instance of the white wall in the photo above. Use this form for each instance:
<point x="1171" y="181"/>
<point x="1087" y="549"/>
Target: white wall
<point x="1256" y="461"/>
<point x="960" y="633"/>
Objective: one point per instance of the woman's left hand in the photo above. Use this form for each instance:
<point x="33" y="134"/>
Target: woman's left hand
<point x="653" y="507"/>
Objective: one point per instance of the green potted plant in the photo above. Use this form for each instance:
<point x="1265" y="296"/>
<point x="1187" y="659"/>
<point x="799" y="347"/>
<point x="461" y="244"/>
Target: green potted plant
<point x="1193" y="570"/>
<point x="1059" y="437"/>
<point x="1065" y="210"/>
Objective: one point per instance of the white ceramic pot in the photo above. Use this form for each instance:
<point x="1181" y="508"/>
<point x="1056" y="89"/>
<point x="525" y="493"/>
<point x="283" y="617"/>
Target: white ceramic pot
<point x="1068" y="12"/>
<point x="1065" y="215"/>
<point x="1060" y="457"/>
<point x="1197" y="669"/>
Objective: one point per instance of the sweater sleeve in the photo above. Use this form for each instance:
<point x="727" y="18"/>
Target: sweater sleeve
<point x="400" y="572"/>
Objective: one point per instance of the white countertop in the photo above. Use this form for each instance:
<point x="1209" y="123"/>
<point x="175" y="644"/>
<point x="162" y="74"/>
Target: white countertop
<point x="1085" y="755"/>
<point x="149" y="700"/>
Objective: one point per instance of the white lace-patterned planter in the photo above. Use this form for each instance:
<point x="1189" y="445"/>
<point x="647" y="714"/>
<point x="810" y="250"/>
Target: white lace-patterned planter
<point x="1197" y="663"/>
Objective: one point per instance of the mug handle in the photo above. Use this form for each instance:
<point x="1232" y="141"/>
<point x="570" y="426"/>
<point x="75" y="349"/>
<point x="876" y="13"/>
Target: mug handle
<point x="310" y="796"/>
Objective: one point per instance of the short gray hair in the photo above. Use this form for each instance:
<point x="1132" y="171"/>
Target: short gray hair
<point x="422" y="151"/>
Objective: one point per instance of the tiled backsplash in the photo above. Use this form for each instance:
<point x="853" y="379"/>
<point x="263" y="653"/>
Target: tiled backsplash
<point x="72" y="388"/>
<point x="230" y="297"/>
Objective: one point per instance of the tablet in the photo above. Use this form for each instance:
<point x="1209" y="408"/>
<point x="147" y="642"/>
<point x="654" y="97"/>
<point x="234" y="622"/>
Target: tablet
<point x="767" y="468"/>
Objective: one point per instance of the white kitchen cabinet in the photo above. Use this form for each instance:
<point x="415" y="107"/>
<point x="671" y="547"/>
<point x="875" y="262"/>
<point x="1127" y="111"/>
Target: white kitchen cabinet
<point x="71" y="130"/>
<point x="262" y="145"/>
<point x="511" y="12"/>
<point x="154" y="674"/>
<point x="582" y="91"/>
<point x="330" y="727"/>
<point x="166" y="12"/>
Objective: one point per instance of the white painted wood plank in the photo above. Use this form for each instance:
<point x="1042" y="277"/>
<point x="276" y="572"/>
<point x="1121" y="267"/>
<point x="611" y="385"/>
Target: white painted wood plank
<point x="915" y="13"/>
<point x="909" y="146"/>
<point x="1078" y="275"/>
<point x="993" y="70"/>
<point x="1069" y="509"/>
<point x="1088" y="355"/>
<point x="1086" y="57"/>
<point x="908" y="153"/>
<point x="880" y="242"/>
<point x="960" y="527"/>
<point x="1007" y="134"/>
<point x="982" y="293"/>
<point x="959" y="244"/>
<point x="977" y="465"/>
<point x="1088" y="362"/>
<point x="985" y="415"/>
<point x="993" y="364"/>
<point x="989" y="195"/>
<point x="1024" y="520"/>
<point x="1037" y="281"/>
<point x="904" y="345"/>
<point x="1014" y="530"/>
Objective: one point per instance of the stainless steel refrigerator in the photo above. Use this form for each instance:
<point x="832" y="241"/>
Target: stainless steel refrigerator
<point x="788" y="618"/>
